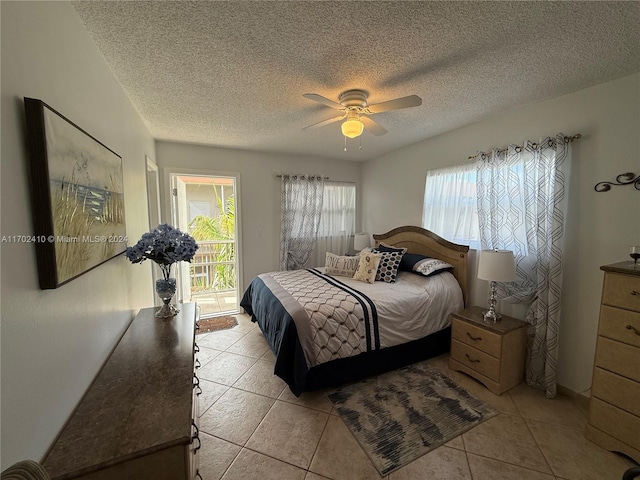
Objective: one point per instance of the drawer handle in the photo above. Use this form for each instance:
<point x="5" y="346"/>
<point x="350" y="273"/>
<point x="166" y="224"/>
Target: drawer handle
<point x="196" y="384"/>
<point x="635" y="292"/>
<point x="198" y="364"/>
<point x="473" y="338"/>
<point x="470" y="359"/>
<point x="196" y="436"/>
<point x="635" y="330"/>
<point x="198" y="475"/>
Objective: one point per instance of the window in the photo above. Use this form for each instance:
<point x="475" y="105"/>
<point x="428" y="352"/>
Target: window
<point x="337" y="221"/>
<point x="450" y="204"/>
<point x="338" y="216"/>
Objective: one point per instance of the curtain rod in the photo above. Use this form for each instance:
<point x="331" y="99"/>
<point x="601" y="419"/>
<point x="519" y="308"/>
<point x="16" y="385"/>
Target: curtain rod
<point x="280" y="175"/>
<point x="566" y="139"/>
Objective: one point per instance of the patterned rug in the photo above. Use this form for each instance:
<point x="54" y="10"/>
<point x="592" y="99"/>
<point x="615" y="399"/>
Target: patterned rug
<point x="401" y="415"/>
<point x="216" y="323"/>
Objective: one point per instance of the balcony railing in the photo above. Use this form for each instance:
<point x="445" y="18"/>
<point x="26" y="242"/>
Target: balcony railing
<point x="213" y="267"/>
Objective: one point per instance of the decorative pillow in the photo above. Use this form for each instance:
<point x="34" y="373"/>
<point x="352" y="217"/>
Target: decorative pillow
<point x="367" y="267"/>
<point x="344" y="266"/>
<point x="425" y="266"/>
<point x="409" y="260"/>
<point x="383" y="247"/>
<point x="391" y="257"/>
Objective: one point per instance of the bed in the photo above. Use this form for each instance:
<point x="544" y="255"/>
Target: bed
<point x="327" y="330"/>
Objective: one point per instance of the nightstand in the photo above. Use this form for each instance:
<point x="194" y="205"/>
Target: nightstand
<point x="492" y="353"/>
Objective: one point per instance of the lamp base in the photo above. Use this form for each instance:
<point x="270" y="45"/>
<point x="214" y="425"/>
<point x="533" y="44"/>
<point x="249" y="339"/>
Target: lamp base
<point x="491" y="316"/>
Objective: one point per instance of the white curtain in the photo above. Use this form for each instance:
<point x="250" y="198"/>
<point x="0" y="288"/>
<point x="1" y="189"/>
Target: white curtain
<point x="300" y="209"/>
<point x="522" y="198"/>
<point x="337" y="222"/>
<point x="450" y="204"/>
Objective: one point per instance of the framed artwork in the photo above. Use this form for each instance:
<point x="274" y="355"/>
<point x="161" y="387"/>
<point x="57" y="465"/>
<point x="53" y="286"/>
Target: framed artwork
<point x="77" y="197"/>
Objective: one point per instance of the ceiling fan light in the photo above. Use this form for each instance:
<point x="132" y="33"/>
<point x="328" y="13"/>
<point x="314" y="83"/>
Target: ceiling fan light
<point x="352" y="128"/>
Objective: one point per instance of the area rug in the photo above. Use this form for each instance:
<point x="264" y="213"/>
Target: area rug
<point x="401" y="415"/>
<point x="217" y="323"/>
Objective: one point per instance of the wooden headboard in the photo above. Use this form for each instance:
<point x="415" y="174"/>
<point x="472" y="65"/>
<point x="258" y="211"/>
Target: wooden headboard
<point x="424" y="242"/>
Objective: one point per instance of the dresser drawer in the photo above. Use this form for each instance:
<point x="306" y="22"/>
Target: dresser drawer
<point x="476" y="360"/>
<point x="616" y="390"/>
<point x="621" y="291"/>
<point x="617" y="423"/>
<point x="618" y="358"/>
<point x="479" y="338"/>
<point x="619" y="324"/>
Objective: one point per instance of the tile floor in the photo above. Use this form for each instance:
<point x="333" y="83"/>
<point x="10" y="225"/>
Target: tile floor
<point x="252" y="427"/>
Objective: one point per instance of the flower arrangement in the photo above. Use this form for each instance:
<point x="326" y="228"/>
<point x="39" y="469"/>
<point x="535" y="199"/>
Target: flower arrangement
<point x="165" y="245"/>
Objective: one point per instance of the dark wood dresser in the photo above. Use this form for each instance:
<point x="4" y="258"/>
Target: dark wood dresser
<point x="138" y="419"/>
<point x="614" y="406"/>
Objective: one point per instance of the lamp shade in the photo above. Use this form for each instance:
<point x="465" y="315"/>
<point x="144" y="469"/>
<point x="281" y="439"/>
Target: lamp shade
<point x="497" y="266"/>
<point x="361" y="240"/>
<point x="352" y="128"/>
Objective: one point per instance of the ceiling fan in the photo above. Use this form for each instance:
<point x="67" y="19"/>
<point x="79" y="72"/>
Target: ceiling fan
<point x="355" y="111"/>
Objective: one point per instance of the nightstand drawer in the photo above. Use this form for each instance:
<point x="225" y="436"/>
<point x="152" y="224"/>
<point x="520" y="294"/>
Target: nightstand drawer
<point x="618" y="423"/>
<point x="621" y="325"/>
<point x="477" y="337"/>
<point x="621" y="291"/>
<point x="619" y="358"/>
<point x="616" y="390"/>
<point x="476" y="360"/>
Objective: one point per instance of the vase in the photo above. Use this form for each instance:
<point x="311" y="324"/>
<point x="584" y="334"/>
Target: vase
<point x="166" y="289"/>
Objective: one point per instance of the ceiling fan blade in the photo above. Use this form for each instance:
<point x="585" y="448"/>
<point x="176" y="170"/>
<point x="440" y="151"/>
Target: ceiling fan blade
<point x="324" y="100"/>
<point x="404" y="102"/>
<point x="325" y="122"/>
<point x="373" y="126"/>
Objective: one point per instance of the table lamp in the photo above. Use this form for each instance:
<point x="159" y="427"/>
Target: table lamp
<point x="361" y="240"/>
<point x="495" y="266"/>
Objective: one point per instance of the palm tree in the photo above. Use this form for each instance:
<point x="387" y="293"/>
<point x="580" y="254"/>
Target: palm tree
<point x="221" y="227"/>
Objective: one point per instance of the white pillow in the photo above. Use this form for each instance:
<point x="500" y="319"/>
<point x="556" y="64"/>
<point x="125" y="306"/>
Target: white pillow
<point x="340" y="266"/>
<point x="367" y="267"/>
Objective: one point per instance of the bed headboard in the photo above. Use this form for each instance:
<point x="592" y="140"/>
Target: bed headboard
<point x="418" y="240"/>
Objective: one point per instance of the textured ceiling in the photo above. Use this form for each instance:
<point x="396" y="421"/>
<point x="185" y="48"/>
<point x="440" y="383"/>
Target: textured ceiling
<point x="232" y="74"/>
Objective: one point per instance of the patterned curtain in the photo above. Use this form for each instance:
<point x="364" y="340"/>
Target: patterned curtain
<point x="522" y="199"/>
<point x="300" y="209"/>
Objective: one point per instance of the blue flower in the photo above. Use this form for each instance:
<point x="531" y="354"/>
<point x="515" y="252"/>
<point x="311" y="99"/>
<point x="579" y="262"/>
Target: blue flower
<point x="164" y="245"/>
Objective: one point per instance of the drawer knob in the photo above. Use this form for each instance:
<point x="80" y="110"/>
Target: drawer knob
<point x="635" y="292"/>
<point x="470" y="359"/>
<point x="635" y="330"/>
<point x="473" y="338"/>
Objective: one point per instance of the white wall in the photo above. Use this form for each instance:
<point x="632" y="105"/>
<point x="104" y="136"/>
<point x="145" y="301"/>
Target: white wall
<point x="260" y="191"/>
<point x="601" y="226"/>
<point x="53" y="342"/>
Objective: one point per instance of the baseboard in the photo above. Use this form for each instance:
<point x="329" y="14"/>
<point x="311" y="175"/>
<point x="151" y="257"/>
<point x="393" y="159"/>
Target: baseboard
<point x="582" y="399"/>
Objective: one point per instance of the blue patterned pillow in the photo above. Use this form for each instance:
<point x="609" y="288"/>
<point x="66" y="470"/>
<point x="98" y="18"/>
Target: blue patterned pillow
<point x="389" y="263"/>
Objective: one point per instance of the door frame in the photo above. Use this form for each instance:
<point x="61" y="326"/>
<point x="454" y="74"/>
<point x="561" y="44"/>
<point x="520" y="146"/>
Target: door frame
<point x="154" y="209"/>
<point x="168" y="172"/>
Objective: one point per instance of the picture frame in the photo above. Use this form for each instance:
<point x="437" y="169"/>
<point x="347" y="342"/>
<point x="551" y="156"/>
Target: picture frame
<point x="77" y="197"/>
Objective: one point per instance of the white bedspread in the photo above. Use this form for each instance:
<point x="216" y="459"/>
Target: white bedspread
<point x="413" y="306"/>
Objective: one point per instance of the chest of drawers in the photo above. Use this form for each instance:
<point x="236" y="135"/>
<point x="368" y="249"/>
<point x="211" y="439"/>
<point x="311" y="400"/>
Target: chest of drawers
<point x="614" y="407"/>
<point x="492" y="353"/>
